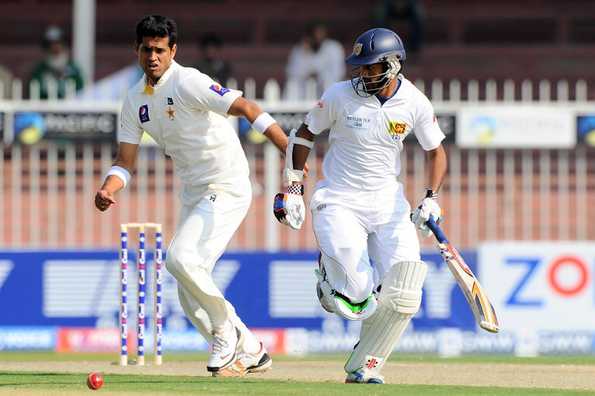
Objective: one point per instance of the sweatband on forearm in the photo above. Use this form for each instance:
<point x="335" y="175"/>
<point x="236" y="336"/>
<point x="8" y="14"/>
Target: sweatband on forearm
<point x="263" y="122"/>
<point x="119" y="172"/>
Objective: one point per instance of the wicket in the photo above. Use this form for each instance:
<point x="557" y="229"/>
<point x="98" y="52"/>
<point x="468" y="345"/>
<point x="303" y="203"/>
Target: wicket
<point x="157" y="292"/>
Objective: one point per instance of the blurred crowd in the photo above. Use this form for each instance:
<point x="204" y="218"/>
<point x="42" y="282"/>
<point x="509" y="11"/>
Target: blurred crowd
<point x="54" y="73"/>
<point x="314" y="62"/>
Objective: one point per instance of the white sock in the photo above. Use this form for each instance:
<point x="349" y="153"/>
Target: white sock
<point x="251" y="343"/>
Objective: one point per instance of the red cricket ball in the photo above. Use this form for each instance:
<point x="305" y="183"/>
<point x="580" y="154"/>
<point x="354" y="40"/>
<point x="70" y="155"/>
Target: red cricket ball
<point x="94" y="381"/>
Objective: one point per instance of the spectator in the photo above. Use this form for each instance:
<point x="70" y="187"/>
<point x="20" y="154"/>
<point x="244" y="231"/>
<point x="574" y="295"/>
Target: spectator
<point x="300" y="68"/>
<point x="397" y="14"/>
<point x="5" y="82"/>
<point x="211" y="61"/>
<point x="56" y="68"/>
<point x="315" y="56"/>
<point x="330" y="58"/>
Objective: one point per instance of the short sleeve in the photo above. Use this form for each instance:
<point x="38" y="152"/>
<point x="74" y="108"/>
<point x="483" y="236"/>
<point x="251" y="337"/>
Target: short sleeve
<point x="322" y="116"/>
<point x="426" y="126"/>
<point x="199" y="91"/>
<point x="130" y="129"/>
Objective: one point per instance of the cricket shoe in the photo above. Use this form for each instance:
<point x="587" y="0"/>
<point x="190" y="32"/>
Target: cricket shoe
<point x="258" y="362"/>
<point x="224" y="350"/>
<point x="235" y="369"/>
<point x="361" y="377"/>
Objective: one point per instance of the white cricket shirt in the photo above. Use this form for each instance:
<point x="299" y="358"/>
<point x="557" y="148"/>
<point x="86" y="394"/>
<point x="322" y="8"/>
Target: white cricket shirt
<point x="366" y="138"/>
<point x="185" y="112"/>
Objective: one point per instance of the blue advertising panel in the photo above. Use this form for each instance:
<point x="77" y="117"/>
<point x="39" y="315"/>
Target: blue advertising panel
<point x="80" y="289"/>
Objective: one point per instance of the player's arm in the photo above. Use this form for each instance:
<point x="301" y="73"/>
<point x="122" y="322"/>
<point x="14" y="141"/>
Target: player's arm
<point x="118" y="176"/>
<point x="260" y="120"/>
<point x="438" y="165"/>
<point x="430" y="137"/>
<point x="289" y="206"/>
<point x="297" y="153"/>
<point x="429" y="206"/>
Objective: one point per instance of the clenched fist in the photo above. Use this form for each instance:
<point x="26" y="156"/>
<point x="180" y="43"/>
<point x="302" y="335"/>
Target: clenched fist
<point x="103" y="200"/>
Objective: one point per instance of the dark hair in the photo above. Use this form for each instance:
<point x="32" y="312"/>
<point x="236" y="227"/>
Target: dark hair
<point x="156" y="26"/>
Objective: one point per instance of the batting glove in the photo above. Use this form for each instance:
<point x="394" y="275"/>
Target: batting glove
<point x="428" y="207"/>
<point x="289" y="207"/>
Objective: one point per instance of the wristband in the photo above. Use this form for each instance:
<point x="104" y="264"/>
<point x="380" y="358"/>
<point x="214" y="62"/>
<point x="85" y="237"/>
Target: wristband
<point x="297" y="189"/>
<point x="119" y="172"/>
<point x="263" y="122"/>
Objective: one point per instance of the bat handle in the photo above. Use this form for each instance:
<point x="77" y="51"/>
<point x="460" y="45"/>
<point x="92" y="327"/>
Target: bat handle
<point x="436" y="230"/>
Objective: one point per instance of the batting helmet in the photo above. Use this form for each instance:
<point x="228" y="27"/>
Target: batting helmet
<point x="376" y="46"/>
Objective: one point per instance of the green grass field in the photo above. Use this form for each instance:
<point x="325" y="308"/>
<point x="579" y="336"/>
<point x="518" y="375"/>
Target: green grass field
<point x="65" y="374"/>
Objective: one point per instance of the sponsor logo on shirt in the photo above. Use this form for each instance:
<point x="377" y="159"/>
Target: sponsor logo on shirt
<point x="353" y="121"/>
<point x="396" y="129"/>
<point x="218" y="89"/>
<point x="170" y="101"/>
<point x="143" y="113"/>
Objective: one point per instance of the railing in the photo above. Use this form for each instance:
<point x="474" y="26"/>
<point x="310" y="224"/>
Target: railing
<point x="46" y="196"/>
<point x="47" y="189"/>
<point x="437" y="90"/>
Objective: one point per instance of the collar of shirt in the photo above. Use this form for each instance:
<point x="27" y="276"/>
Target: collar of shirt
<point x="383" y="99"/>
<point x="162" y="80"/>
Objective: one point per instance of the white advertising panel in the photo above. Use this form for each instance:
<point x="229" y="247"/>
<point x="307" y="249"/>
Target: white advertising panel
<point x="540" y="286"/>
<point x="516" y="126"/>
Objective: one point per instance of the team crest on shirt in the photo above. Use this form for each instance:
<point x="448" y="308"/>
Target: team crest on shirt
<point x="143" y="113"/>
<point x="218" y="89"/>
<point x="396" y="129"/>
<point x="170" y="101"/>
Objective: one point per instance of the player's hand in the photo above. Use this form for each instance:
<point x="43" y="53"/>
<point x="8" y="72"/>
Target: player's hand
<point x="428" y="207"/>
<point x="103" y="200"/>
<point x="289" y="207"/>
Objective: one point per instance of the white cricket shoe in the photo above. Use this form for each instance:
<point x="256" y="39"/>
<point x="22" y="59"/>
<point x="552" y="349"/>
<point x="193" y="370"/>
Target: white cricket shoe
<point x="224" y="350"/>
<point x="258" y="362"/>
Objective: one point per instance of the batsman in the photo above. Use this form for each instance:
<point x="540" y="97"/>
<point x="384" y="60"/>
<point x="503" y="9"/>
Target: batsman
<point x="369" y="266"/>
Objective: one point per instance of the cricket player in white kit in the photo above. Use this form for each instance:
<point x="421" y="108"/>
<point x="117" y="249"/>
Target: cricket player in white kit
<point x="370" y="267"/>
<point x="185" y="112"/>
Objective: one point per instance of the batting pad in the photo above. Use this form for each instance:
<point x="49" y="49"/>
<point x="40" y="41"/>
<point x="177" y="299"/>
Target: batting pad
<point x="399" y="300"/>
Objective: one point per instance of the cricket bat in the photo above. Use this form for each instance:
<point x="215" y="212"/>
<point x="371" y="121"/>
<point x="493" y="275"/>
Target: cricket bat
<point x="482" y="308"/>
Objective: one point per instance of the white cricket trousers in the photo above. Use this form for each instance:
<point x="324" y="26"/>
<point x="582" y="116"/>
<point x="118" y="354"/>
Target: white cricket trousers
<point x="208" y="219"/>
<point x="361" y="235"/>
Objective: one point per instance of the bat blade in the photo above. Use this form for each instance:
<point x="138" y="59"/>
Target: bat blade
<point x="482" y="308"/>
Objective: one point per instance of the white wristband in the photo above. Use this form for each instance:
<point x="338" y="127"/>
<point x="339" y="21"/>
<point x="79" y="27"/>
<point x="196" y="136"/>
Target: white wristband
<point x="263" y="122"/>
<point x="119" y="172"/>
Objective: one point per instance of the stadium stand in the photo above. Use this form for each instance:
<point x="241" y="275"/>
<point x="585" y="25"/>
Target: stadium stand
<point x="548" y="38"/>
